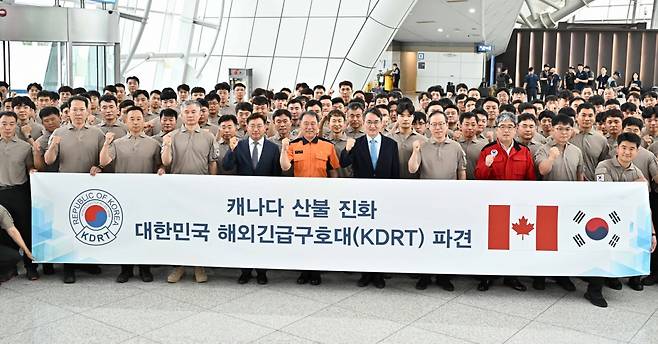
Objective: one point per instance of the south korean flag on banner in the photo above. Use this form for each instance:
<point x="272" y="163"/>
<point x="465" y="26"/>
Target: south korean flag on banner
<point x="598" y="226"/>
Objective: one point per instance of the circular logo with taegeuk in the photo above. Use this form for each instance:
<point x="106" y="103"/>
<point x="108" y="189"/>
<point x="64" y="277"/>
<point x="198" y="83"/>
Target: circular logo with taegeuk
<point x="95" y="217"/>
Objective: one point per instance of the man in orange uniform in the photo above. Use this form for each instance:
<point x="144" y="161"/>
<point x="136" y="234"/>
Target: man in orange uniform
<point x="309" y="156"/>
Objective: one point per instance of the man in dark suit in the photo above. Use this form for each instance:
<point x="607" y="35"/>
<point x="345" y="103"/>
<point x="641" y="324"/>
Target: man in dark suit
<point x="372" y="156"/>
<point x="253" y="156"/>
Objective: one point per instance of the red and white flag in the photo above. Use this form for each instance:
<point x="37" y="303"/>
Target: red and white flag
<point x="540" y="224"/>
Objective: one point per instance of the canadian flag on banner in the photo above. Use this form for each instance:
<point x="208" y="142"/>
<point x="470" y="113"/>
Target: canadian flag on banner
<point x="544" y="227"/>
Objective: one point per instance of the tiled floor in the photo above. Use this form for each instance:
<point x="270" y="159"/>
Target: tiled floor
<point x="98" y="310"/>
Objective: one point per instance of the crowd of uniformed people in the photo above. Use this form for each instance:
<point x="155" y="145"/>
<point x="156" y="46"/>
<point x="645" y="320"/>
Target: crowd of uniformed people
<point x="608" y="135"/>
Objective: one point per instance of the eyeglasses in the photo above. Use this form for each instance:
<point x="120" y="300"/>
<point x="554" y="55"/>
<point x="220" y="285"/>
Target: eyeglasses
<point x="437" y="124"/>
<point x="369" y="123"/>
<point x="506" y="127"/>
<point x="258" y="126"/>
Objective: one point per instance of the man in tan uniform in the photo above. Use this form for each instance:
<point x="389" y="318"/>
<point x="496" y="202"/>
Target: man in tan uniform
<point x="76" y="146"/>
<point x="132" y="153"/>
<point x="189" y="150"/>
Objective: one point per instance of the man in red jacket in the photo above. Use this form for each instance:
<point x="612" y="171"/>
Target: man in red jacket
<point x="504" y="159"/>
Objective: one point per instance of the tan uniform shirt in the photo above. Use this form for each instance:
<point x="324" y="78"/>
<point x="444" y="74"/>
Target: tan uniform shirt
<point x="226" y="110"/>
<point x="42" y="142"/>
<point x="158" y="137"/>
<point x="654" y="148"/>
<point x="150" y="116"/>
<point x="611" y="171"/>
<point x="213" y="120"/>
<point x="6" y="221"/>
<point x="79" y="148"/>
<point x="612" y="146"/>
<point x="15" y="161"/>
<point x="192" y="151"/>
<point x="213" y="129"/>
<point x="276" y="139"/>
<point x="354" y="133"/>
<point x="441" y="160"/>
<point x="648" y="164"/>
<point x="339" y="146"/>
<point x="240" y="133"/>
<point x="540" y="138"/>
<point x="135" y="154"/>
<point x="222" y="148"/>
<point x="472" y="148"/>
<point x="36" y="131"/>
<point x="405" y="149"/>
<point x="119" y="129"/>
<point x="594" y="147"/>
<point x="566" y="167"/>
<point x="533" y="145"/>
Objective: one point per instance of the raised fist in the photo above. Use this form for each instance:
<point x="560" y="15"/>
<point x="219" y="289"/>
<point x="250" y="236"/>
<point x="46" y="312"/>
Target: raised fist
<point x="554" y="153"/>
<point x="233" y="142"/>
<point x="26" y="130"/>
<point x="166" y="140"/>
<point x="55" y="140"/>
<point x="109" y="137"/>
<point x="489" y="160"/>
<point x="417" y="145"/>
<point x="350" y="144"/>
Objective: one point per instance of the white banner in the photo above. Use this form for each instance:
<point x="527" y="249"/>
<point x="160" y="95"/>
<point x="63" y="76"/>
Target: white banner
<point x="412" y="226"/>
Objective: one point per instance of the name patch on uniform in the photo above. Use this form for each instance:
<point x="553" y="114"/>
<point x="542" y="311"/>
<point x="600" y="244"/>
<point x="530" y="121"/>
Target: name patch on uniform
<point x="299" y="152"/>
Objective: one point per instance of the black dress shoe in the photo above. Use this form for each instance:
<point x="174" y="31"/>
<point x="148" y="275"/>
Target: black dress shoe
<point x="145" y="274"/>
<point x="596" y="299"/>
<point x="539" y="283"/>
<point x="650" y="280"/>
<point x="445" y="283"/>
<point x="364" y="280"/>
<point x="485" y="285"/>
<point x="613" y="283"/>
<point x="261" y="279"/>
<point x="244" y="278"/>
<point x="48" y="269"/>
<point x="69" y="276"/>
<point x="379" y="282"/>
<point x="635" y="283"/>
<point x="515" y="284"/>
<point x="31" y="273"/>
<point x="303" y="277"/>
<point x="423" y="282"/>
<point x="565" y="283"/>
<point x="124" y="276"/>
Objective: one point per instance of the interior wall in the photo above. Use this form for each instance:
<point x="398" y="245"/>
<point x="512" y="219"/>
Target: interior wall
<point x="444" y="62"/>
<point x="408" y="71"/>
<point x="444" y="67"/>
